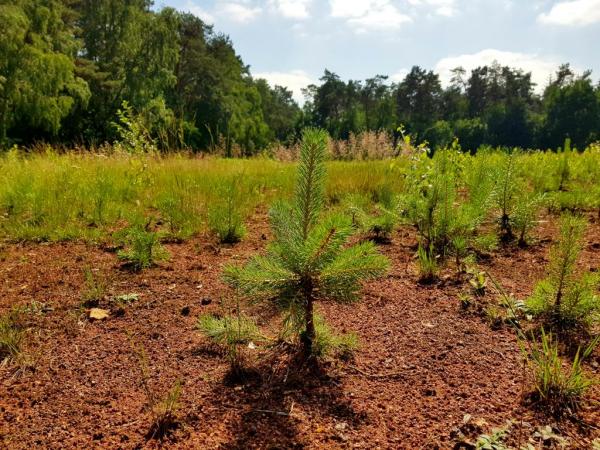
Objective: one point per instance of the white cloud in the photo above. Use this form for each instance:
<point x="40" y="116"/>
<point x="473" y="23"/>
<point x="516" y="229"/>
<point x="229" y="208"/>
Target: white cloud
<point x="238" y="12"/>
<point x="399" y="75"/>
<point x="294" y="80"/>
<point x="444" y="8"/>
<point x="541" y="68"/>
<point x="197" y="11"/>
<point x="572" y="13"/>
<point x="292" y="9"/>
<point x="368" y="15"/>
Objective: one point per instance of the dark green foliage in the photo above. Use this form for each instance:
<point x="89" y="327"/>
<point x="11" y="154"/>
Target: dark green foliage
<point x="67" y="66"/>
<point x="308" y="259"/>
<point x="38" y="83"/>
<point x="572" y="109"/>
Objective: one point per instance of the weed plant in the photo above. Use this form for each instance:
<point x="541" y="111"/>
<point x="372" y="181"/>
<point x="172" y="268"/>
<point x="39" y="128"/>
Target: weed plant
<point x="558" y="388"/>
<point x="162" y="408"/>
<point x="12" y="336"/>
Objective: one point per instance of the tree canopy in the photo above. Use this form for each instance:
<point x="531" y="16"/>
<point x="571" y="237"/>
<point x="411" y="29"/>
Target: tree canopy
<point x="68" y="66"/>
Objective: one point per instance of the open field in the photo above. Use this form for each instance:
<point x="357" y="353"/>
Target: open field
<point x="442" y="358"/>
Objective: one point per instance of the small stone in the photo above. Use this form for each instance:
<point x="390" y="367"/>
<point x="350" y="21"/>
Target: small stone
<point x="98" y="314"/>
<point x="206" y="301"/>
<point x="341" y="426"/>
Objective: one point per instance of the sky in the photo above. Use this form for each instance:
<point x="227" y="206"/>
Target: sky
<point x="292" y="42"/>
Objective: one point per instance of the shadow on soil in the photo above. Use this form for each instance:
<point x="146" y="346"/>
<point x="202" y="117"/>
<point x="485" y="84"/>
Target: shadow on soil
<point x="270" y="408"/>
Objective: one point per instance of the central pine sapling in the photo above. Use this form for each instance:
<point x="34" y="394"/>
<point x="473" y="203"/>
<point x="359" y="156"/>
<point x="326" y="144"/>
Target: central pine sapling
<point x="308" y="260"/>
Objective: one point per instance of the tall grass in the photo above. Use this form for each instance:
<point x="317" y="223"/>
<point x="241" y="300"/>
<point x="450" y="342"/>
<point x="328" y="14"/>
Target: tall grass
<point x="47" y="196"/>
<point x="52" y="197"/>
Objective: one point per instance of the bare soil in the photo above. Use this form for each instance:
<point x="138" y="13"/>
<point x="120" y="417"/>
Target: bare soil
<point x="423" y="363"/>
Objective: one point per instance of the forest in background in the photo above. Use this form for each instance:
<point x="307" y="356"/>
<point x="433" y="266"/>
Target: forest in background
<point x="71" y="71"/>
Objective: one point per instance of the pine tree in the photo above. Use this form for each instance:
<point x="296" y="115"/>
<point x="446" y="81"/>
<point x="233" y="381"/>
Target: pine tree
<point x="308" y="260"/>
<point x="564" y="298"/>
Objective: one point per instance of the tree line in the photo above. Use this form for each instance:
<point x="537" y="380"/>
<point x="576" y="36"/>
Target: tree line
<point x="493" y="105"/>
<point x="69" y="68"/>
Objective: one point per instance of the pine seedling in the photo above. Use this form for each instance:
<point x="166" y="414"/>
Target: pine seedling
<point x="94" y="288"/>
<point x="308" y="260"/>
<point x="230" y="332"/>
<point x="564" y="169"/>
<point x="563" y="299"/>
<point x="378" y="226"/>
<point x="505" y="194"/>
<point x="144" y="248"/>
<point x="225" y="219"/>
<point x="525" y="214"/>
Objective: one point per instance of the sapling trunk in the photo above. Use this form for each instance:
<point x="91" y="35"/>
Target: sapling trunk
<point x="310" y="334"/>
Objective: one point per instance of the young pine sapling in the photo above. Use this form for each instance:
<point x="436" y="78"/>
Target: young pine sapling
<point x="231" y="332"/>
<point x="563" y="299"/>
<point x="308" y="260"/>
<point x="225" y="218"/>
<point x="507" y="187"/>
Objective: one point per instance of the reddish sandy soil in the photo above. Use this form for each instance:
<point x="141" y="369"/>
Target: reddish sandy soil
<point x="423" y="362"/>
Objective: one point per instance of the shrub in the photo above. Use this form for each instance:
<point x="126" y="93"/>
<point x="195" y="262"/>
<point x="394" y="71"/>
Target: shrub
<point x="308" y="260"/>
<point x="380" y="225"/>
<point x="558" y="389"/>
<point x="144" y="248"/>
<point x="133" y="135"/>
<point x="446" y="222"/>
<point x="563" y="299"/>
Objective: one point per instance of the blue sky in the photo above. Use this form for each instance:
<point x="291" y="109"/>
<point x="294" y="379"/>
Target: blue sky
<point x="291" y="42"/>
